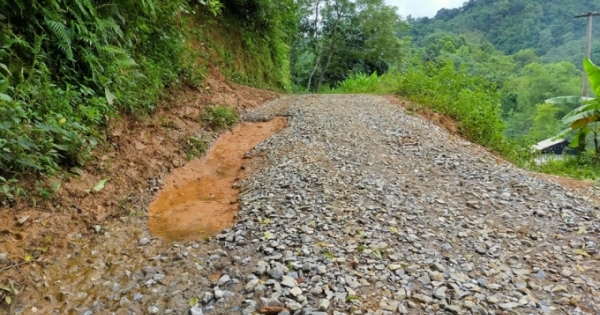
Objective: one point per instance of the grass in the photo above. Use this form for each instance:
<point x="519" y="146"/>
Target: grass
<point x="473" y="103"/>
<point x="194" y="146"/>
<point x="220" y="117"/>
<point x="584" y="167"/>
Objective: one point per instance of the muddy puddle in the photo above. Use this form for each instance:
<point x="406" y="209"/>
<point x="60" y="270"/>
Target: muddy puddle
<point x="196" y="200"/>
<point x="200" y="199"/>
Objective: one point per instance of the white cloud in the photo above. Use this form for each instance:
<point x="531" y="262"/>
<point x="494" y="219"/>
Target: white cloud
<point x="420" y="8"/>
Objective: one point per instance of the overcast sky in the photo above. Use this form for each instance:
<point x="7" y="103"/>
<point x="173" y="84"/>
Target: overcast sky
<point x="420" y="8"/>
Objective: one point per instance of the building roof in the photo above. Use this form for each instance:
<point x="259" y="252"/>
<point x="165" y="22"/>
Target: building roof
<point x="542" y="145"/>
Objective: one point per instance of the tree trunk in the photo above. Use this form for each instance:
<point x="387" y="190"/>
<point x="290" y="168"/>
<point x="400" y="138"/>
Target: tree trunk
<point x="332" y="47"/>
<point x="319" y="47"/>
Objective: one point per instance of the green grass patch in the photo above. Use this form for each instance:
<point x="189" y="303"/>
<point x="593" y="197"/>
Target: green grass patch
<point x="583" y="167"/>
<point x="221" y="117"/>
<point x="193" y="147"/>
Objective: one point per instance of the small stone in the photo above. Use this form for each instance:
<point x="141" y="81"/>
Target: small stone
<point x="262" y="268"/>
<point x="196" y="310"/>
<point x="207" y="297"/>
<point x="293" y="306"/>
<point x="566" y="272"/>
<point x="518" y="282"/>
<point x="276" y="273"/>
<point x="144" y="241"/>
<point x="322" y="270"/>
<point x="438" y="267"/>
<point x="394" y="267"/>
<point x="288" y="281"/>
<point x="251" y="285"/>
<point x="440" y="293"/>
<point x="124" y="302"/>
<point x="153" y="310"/>
<point x="559" y="289"/>
<point x="3" y="258"/>
<point x="223" y="280"/>
<point x="23" y="219"/>
<point x="218" y="293"/>
<point x="493" y="300"/>
<point x="423" y="298"/>
<point x="323" y="305"/>
<point x="295" y="291"/>
<point x="508" y="306"/>
<point x="454" y="309"/>
<point x="540" y="212"/>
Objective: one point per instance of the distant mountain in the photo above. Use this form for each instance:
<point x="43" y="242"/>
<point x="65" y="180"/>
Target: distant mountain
<point x="548" y="26"/>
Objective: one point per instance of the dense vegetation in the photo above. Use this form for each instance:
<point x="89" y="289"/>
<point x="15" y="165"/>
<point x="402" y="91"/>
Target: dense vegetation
<point x="547" y="27"/>
<point x="340" y="37"/>
<point x="68" y="66"/>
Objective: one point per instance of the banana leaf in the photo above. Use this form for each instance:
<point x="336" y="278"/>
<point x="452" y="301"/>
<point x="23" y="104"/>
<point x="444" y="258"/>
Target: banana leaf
<point x="583" y="115"/>
<point x="579" y="140"/>
<point x="568" y="99"/>
<point x="593" y="74"/>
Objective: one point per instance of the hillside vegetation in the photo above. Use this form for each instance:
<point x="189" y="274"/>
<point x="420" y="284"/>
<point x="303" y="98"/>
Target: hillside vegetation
<point x="547" y="27"/>
<point x="69" y="66"/>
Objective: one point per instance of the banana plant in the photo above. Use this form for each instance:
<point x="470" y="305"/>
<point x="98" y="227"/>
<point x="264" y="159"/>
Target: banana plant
<point x="584" y="120"/>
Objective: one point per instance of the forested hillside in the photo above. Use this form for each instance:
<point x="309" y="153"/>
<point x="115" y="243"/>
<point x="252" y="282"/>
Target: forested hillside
<point x="531" y="49"/>
<point x="547" y="26"/>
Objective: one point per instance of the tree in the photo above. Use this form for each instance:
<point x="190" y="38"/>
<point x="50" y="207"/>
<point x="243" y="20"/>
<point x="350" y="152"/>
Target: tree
<point x="345" y="37"/>
<point x="583" y="121"/>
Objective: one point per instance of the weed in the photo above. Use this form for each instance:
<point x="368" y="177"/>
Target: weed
<point x="221" y="117"/>
<point x="9" y="190"/>
<point x="167" y="123"/>
<point x="194" y="146"/>
<point x="329" y="255"/>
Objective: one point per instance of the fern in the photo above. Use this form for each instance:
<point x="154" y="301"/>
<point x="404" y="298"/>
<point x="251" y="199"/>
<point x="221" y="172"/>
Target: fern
<point x="64" y="37"/>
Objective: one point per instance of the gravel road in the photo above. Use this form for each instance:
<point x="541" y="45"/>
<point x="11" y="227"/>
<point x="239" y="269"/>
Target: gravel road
<point x="358" y="207"/>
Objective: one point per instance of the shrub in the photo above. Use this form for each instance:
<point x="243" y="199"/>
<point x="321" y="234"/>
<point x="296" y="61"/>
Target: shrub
<point x="360" y="83"/>
<point x="193" y="147"/>
<point x="221" y="117"/>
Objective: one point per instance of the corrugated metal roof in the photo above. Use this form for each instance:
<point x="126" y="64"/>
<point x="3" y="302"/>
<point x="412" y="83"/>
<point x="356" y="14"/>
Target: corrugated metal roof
<point x="548" y="143"/>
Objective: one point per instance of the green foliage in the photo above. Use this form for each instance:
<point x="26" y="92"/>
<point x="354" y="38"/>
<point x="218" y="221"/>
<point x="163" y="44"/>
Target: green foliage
<point x="360" y="83"/>
<point x="193" y="147"/>
<point x="265" y="29"/>
<point x="341" y="37"/>
<point x="584" y="121"/>
<point x="472" y="101"/>
<point x="220" y="117"/>
<point x="67" y="66"/>
<point x="583" y="167"/>
<point x="514" y="25"/>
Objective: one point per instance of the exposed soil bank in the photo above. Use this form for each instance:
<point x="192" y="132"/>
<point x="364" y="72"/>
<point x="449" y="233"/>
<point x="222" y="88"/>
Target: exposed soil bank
<point x="200" y="199"/>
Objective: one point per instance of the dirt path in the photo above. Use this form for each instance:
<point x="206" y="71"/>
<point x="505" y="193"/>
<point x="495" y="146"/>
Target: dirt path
<point x="357" y="207"/>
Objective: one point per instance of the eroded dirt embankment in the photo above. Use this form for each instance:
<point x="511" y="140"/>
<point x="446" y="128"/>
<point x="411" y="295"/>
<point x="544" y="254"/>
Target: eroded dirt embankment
<point x="200" y="199"/>
<point x="136" y="152"/>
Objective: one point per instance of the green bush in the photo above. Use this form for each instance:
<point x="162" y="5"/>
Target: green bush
<point x="193" y="147"/>
<point x="67" y="66"/>
<point x="360" y="83"/>
<point x="471" y="101"/>
<point x="221" y="117"/>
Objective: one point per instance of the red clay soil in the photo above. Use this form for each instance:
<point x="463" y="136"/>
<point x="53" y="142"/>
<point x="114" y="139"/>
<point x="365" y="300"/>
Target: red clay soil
<point x="200" y="199"/>
<point x="137" y="150"/>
